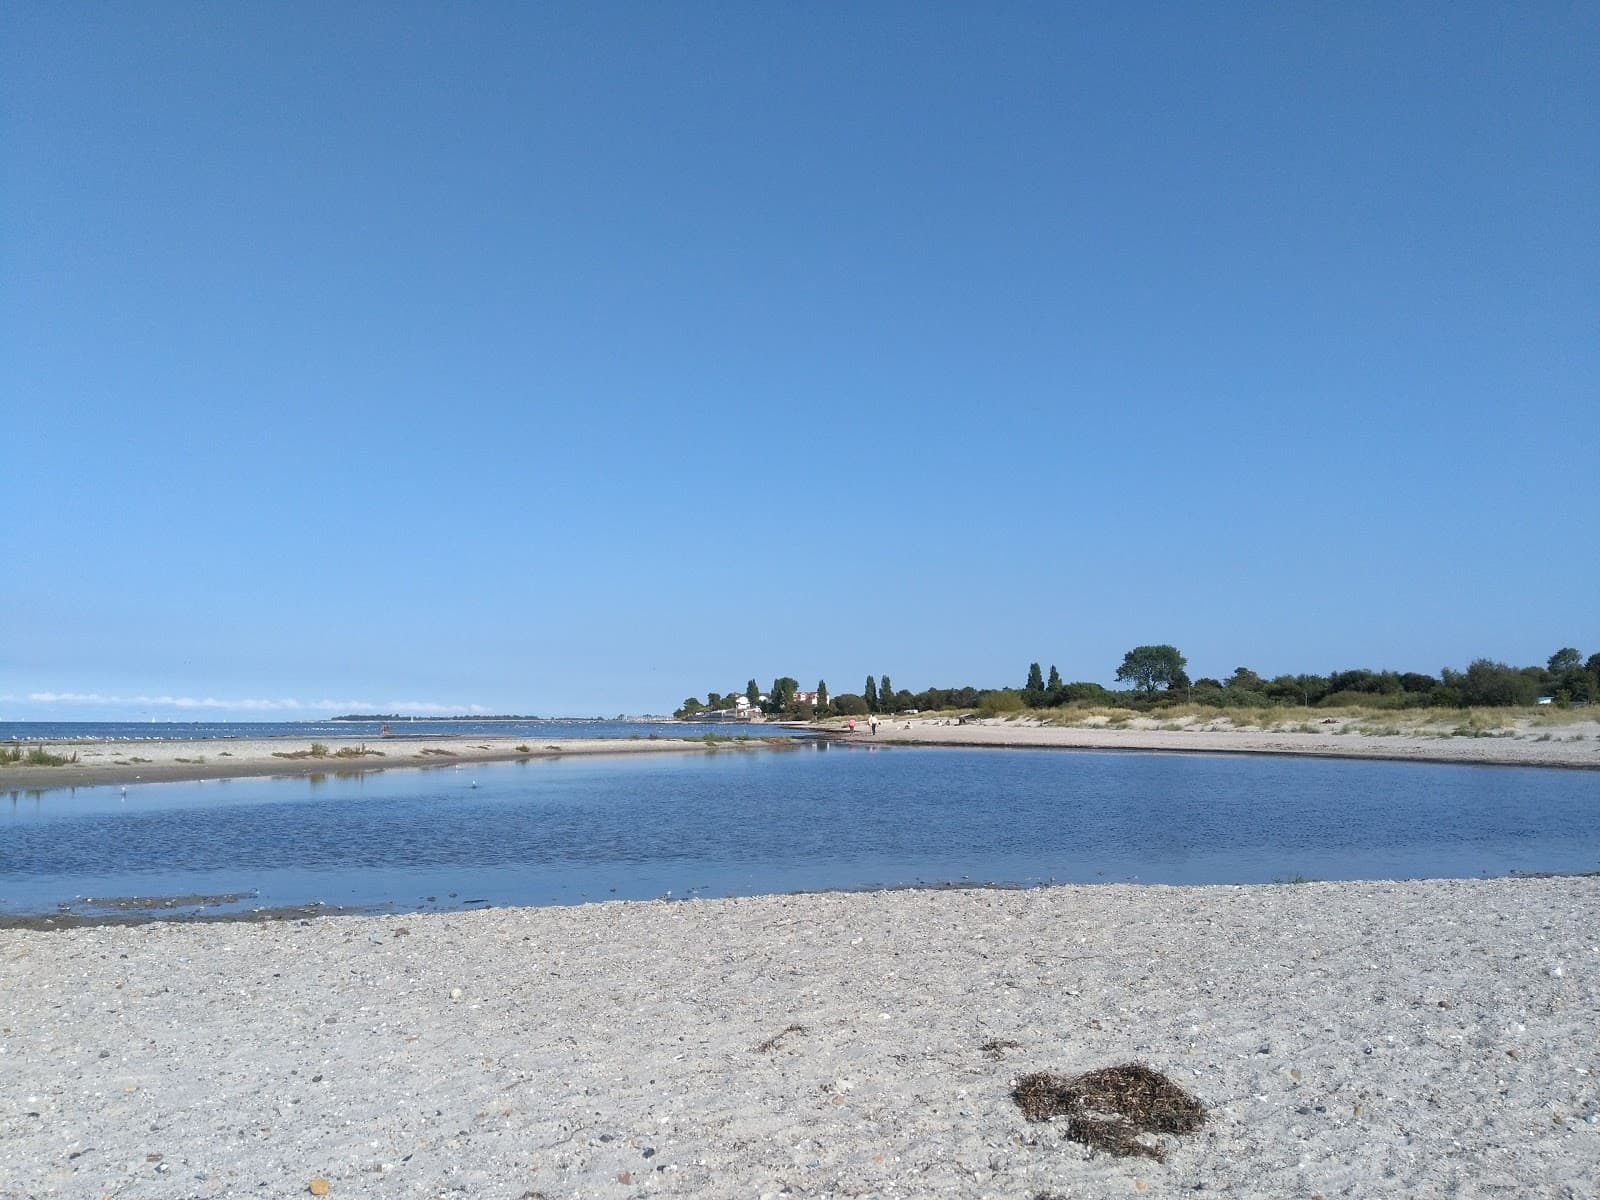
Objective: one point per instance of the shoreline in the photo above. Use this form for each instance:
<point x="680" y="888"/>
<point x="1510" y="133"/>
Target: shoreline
<point x="1576" y="746"/>
<point x="1374" y="1038"/>
<point x="174" y="761"/>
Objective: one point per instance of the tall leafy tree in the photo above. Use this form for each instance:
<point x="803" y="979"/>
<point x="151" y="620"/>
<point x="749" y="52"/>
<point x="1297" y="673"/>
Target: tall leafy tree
<point x="870" y="694"/>
<point x="752" y="693"/>
<point x="1563" y="660"/>
<point x="1033" y="690"/>
<point x="1149" y="667"/>
<point x="781" y="698"/>
<point x="822" y="694"/>
<point x="885" y="694"/>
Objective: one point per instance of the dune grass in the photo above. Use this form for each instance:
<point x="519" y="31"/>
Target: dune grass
<point x="34" y="756"/>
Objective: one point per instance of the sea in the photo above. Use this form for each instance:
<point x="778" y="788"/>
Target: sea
<point x="811" y="815"/>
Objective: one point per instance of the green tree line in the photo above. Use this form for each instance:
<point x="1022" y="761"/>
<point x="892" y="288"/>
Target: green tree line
<point x="1157" y="676"/>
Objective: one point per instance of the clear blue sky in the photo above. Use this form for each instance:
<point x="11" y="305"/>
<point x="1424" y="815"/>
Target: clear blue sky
<point x="574" y="358"/>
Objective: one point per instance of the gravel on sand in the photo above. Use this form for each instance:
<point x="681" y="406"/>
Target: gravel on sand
<point x="1355" y="1039"/>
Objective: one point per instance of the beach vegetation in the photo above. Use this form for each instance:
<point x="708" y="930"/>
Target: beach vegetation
<point x="1160" y="687"/>
<point x="34" y="756"/>
<point x="1149" y="667"/>
<point x="1000" y="701"/>
<point x="1033" y="691"/>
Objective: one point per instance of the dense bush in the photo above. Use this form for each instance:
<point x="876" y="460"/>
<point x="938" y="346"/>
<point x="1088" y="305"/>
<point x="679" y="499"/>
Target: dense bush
<point x="1000" y="701"/>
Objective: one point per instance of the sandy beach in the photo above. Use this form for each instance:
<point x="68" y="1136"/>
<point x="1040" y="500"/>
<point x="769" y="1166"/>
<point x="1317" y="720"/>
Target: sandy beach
<point x="157" y="760"/>
<point x="1523" y="742"/>
<point x="1370" y="1039"/>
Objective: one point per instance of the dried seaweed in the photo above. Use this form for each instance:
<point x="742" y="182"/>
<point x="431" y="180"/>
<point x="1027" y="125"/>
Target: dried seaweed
<point x="1110" y="1109"/>
<point x="995" y="1047"/>
<point x="771" y="1043"/>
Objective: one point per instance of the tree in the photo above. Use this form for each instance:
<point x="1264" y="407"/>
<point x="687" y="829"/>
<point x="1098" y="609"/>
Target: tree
<point x="752" y="693"/>
<point x="713" y="699"/>
<point x="1033" y="690"/>
<point x="850" y="705"/>
<point x="885" y="694"/>
<point x="1147" y="667"/>
<point x="822" y="694"/>
<point x="870" y="694"/>
<point x="1495" y="683"/>
<point x="1053" y="684"/>
<point x="1563" y="660"/>
<point x="1244" y="679"/>
<point x="689" y="708"/>
<point x="781" y="698"/>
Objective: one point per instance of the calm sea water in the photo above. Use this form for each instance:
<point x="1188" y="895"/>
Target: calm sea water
<point x="551" y="727"/>
<point x="815" y="817"/>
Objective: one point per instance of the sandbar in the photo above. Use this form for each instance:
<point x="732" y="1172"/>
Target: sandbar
<point x="160" y="760"/>
<point x="1523" y="742"/>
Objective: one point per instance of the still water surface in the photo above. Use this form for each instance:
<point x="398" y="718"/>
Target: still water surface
<point x="737" y="823"/>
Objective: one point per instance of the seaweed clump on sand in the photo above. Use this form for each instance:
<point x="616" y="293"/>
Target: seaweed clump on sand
<point x="1112" y="1108"/>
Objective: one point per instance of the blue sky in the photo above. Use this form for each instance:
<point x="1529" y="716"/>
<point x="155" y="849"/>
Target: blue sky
<point x="575" y="358"/>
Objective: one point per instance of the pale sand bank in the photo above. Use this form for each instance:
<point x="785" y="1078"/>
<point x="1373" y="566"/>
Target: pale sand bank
<point x="229" y="758"/>
<point x="1366" y="1039"/>
<point x="1572" y="745"/>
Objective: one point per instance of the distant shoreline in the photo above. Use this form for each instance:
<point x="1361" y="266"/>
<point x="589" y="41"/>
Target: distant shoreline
<point x="1575" y="747"/>
<point x="177" y="761"/>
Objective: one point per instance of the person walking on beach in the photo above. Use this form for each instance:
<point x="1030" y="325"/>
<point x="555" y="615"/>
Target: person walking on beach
<point x="872" y="724"/>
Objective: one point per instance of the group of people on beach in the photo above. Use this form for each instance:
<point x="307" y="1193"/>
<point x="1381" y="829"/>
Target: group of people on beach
<point x="872" y="723"/>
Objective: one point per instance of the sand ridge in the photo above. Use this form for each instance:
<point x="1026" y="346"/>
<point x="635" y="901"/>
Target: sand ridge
<point x="1572" y="745"/>
<point x="166" y="761"/>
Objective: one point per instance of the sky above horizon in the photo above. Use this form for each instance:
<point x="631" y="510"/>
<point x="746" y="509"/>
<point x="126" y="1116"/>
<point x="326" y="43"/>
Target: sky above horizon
<point x="576" y="358"/>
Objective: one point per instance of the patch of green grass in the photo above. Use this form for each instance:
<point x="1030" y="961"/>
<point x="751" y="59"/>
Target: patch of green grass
<point x="524" y="748"/>
<point x="360" y="751"/>
<point x="1296" y="878"/>
<point x="196" y="761"/>
<point x="34" y="756"/>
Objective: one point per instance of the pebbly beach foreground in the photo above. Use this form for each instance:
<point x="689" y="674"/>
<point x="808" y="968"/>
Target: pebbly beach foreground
<point x="1357" y="1039"/>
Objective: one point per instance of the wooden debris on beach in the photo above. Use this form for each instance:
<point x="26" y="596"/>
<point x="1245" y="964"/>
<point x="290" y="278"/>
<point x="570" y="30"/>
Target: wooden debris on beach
<point x="1110" y="1109"/>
